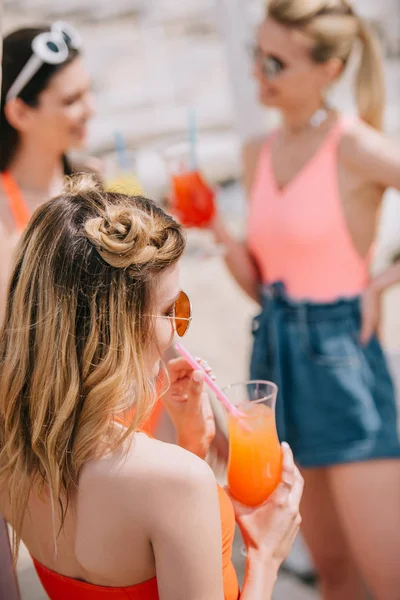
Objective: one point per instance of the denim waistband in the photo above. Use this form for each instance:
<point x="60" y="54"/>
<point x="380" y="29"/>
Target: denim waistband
<point x="341" y="308"/>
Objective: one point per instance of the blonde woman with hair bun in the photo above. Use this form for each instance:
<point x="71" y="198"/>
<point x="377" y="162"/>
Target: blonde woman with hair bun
<point x="94" y="301"/>
<point x="315" y="187"/>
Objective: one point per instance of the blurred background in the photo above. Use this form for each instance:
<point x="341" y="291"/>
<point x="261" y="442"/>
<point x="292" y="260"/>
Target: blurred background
<point x="154" y="62"/>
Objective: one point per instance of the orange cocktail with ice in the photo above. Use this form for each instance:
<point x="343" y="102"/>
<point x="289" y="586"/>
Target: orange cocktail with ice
<point x="255" y="456"/>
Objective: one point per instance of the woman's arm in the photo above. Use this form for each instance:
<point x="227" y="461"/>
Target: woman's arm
<point x="186" y="530"/>
<point x="260" y="578"/>
<point x="376" y="159"/>
<point x="372" y="300"/>
<point x="268" y="531"/>
<point x="238" y="260"/>
<point x="237" y="257"/>
<point x="187" y="535"/>
<point x="387" y="278"/>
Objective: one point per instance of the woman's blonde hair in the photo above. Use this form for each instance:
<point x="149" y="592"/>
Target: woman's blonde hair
<point x="74" y="336"/>
<point x="335" y="27"/>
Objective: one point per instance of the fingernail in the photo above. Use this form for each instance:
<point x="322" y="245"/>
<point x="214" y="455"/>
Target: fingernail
<point x="285" y="445"/>
<point x="197" y="376"/>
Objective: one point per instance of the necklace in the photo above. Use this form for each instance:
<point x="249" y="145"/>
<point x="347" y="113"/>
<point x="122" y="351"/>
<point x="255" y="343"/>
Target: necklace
<point x="318" y="118"/>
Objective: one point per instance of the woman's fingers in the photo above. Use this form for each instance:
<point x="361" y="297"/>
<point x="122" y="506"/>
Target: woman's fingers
<point x="288" y="466"/>
<point x="240" y="510"/>
<point x="291" y="476"/>
<point x="179" y="368"/>
<point x="206" y="367"/>
<point x="175" y="365"/>
<point x="196" y="389"/>
<point x="297" y="489"/>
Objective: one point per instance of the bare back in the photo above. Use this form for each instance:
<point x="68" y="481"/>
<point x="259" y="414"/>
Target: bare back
<point x="127" y="515"/>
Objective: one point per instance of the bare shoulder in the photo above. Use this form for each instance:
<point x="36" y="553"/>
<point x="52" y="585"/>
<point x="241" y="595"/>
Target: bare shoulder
<point x="250" y="156"/>
<point x="139" y="478"/>
<point x="362" y="145"/>
<point x="373" y="156"/>
<point x="149" y="501"/>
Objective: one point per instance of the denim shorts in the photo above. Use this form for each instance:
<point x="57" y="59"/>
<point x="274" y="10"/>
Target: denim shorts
<point x="336" y="402"/>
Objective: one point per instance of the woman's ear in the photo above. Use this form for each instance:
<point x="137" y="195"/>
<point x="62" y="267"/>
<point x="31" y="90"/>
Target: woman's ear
<point x="333" y="69"/>
<point x="18" y="114"/>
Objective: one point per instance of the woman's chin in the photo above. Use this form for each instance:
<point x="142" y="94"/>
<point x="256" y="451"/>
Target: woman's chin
<point x="269" y="101"/>
<point x="268" y="96"/>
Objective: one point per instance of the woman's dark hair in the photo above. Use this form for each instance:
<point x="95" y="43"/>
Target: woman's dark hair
<point x="17" y="50"/>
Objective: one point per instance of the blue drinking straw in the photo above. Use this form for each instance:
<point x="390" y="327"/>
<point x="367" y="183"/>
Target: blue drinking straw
<point x="120" y="148"/>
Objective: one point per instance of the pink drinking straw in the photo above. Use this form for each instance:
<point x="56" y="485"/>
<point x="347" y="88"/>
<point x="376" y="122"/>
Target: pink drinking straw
<point x="211" y="384"/>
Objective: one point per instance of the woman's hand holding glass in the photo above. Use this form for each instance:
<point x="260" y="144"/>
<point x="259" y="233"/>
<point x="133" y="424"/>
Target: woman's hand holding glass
<point x="269" y="530"/>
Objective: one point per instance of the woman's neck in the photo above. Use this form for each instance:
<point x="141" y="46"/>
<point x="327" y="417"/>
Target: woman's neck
<point x="295" y="121"/>
<point x="37" y="171"/>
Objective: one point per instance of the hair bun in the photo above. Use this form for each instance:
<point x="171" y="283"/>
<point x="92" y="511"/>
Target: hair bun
<point x="122" y="237"/>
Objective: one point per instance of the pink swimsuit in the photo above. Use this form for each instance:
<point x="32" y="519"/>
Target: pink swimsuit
<point x="336" y="400"/>
<point x="299" y="235"/>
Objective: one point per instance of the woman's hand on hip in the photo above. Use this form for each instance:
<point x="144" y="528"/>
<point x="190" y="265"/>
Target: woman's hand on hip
<point x="371" y="309"/>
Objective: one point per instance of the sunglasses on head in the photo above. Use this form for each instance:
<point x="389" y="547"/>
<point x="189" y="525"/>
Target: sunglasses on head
<point x="271" y="66"/>
<point x="50" y="47"/>
<point x="180" y="314"/>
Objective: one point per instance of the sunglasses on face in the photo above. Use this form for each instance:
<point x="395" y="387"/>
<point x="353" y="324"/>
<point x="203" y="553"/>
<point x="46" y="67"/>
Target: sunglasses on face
<point x="271" y="66"/>
<point x="180" y="314"/>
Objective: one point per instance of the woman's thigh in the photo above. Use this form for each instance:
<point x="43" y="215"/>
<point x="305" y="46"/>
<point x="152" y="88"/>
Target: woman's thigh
<point x="367" y="498"/>
<point x="326" y="540"/>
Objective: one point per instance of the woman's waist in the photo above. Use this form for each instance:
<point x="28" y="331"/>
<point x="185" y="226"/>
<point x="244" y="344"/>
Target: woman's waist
<point x="317" y="286"/>
<point x="320" y="271"/>
<point x="276" y="295"/>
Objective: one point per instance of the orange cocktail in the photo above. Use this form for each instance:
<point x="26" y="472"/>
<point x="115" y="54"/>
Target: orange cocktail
<point x="192" y="199"/>
<point x="255" y="456"/>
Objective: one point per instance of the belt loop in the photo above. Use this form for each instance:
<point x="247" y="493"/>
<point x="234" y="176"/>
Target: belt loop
<point x="269" y="292"/>
<point x="302" y="317"/>
<point x="279" y="290"/>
